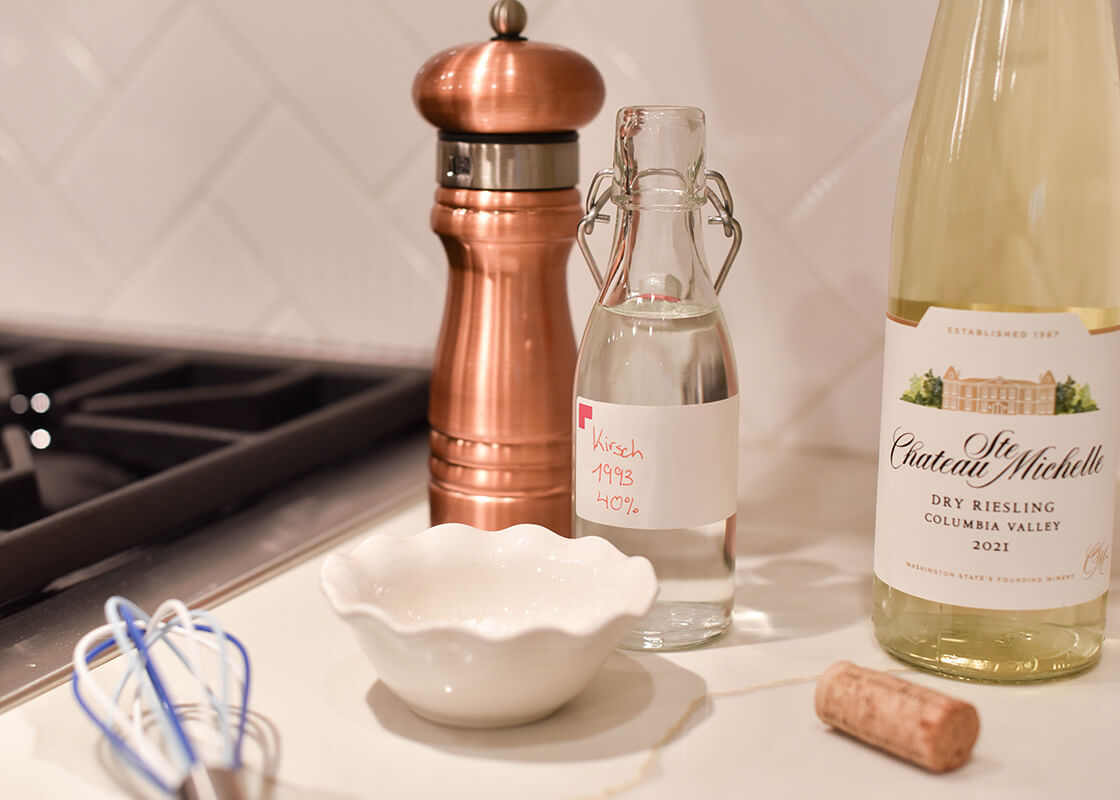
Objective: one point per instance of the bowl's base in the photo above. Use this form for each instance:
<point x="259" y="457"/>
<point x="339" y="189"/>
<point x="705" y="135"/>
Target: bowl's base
<point x="481" y="722"/>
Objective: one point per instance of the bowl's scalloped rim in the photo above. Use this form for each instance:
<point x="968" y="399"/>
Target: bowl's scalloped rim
<point x="339" y="566"/>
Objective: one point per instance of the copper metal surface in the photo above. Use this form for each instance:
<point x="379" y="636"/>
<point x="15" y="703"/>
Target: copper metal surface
<point x="500" y="406"/>
<point x="506" y="86"/>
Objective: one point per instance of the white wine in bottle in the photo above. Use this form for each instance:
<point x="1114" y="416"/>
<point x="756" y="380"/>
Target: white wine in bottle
<point x="1001" y="386"/>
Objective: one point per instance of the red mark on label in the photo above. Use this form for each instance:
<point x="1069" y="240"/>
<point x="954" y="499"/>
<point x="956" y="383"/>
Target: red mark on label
<point x="584" y="414"/>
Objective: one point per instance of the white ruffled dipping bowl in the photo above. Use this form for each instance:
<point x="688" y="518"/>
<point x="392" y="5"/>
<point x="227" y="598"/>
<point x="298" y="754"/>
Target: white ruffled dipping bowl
<point x="487" y="628"/>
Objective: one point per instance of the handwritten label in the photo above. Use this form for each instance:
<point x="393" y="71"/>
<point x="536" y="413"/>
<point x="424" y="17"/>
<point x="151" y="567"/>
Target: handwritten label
<point x="653" y="467"/>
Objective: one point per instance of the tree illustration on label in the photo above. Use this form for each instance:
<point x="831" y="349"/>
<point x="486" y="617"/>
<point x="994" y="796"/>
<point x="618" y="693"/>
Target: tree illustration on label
<point x="999" y="395"/>
<point x="925" y="390"/>
<point x="1073" y="398"/>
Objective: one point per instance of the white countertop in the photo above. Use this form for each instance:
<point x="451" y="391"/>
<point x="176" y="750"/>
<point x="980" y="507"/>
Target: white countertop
<point x="734" y="719"/>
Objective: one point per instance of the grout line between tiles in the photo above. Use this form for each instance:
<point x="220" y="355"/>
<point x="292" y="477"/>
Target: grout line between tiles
<point x="88" y="244"/>
<point x="823" y="184"/>
<point x="822" y="451"/>
<point x="434" y="277"/>
<point x="279" y="89"/>
<point x="192" y="199"/>
<point x="65" y="37"/>
<point x="810" y="404"/>
<point x="848" y="307"/>
<point x="807" y="22"/>
<point x="806" y="263"/>
<point x="113" y="93"/>
<point x="50" y="179"/>
<point x="368" y="194"/>
<point x="142" y="51"/>
<point x="775" y="222"/>
<point x="12" y="152"/>
<point x="80" y="63"/>
<point x="612" y="49"/>
<point x="274" y="306"/>
<point x="280" y="281"/>
<point x="417" y="42"/>
<point x="812" y="194"/>
<point x="780" y="222"/>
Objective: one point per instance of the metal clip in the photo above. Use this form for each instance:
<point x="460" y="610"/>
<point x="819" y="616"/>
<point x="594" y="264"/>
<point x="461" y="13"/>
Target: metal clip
<point x="726" y="218"/>
<point x="596" y="200"/>
<point x="593" y="208"/>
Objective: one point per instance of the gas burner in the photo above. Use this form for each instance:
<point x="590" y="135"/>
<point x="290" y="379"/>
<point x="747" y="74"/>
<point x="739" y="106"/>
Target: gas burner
<point x="104" y="448"/>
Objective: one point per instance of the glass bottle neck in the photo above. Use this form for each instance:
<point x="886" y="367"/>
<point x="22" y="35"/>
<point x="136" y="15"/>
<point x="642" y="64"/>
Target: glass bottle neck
<point x="657" y="258"/>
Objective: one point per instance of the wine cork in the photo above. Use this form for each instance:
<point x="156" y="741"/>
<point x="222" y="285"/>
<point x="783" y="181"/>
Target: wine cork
<point x="910" y="721"/>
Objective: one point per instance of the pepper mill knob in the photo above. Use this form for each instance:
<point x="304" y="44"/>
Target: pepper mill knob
<point x="508" y="18"/>
<point x="508" y="85"/>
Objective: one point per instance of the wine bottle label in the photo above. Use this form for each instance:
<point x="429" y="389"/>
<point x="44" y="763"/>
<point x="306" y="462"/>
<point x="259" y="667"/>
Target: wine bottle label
<point x="997" y="459"/>
<point x="655" y="467"/>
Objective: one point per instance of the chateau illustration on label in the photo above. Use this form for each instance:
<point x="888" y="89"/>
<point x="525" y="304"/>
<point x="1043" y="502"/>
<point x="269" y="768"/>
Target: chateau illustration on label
<point x="999" y="395"/>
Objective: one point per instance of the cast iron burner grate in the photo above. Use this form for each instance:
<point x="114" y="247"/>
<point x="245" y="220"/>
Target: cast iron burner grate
<point x="107" y="447"/>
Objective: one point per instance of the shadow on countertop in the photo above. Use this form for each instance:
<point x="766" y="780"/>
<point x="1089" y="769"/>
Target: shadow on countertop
<point x="631" y="705"/>
<point x="794" y="598"/>
<point x="804" y="545"/>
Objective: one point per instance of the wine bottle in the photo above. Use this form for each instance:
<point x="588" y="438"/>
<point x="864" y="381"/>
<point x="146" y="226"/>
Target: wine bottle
<point x="1001" y="393"/>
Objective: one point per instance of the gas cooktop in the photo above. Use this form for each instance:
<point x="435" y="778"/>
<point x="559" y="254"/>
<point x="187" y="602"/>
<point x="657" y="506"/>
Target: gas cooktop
<point x="106" y="448"/>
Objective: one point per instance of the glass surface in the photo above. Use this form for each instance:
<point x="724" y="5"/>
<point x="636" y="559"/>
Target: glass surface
<point x="1008" y="200"/>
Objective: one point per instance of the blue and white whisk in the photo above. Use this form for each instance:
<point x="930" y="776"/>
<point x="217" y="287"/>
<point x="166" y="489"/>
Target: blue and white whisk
<point x="198" y="747"/>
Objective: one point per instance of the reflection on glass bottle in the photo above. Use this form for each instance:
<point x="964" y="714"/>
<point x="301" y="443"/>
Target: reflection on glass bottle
<point x="656" y="405"/>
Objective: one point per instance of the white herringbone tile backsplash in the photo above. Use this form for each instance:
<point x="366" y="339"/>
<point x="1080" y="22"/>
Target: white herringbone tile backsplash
<point x="253" y="172"/>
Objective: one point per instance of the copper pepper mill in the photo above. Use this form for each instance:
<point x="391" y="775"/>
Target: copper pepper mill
<point x="506" y="211"/>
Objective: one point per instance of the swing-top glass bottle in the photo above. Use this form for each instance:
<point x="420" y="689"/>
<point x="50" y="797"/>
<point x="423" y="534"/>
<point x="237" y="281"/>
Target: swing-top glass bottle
<point x="656" y="391"/>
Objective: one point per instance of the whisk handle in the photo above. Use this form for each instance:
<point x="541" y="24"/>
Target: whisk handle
<point x="210" y="783"/>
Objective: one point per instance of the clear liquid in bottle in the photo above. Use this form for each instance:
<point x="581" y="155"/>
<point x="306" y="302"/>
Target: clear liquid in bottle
<point x="667" y="353"/>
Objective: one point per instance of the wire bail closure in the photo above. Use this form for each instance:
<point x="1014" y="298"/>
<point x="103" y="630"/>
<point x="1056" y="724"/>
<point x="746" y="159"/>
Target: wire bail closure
<point x="720" y="198"/>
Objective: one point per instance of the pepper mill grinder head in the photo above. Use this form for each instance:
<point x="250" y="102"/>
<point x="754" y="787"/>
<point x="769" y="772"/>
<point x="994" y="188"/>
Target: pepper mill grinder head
<point x="506" y="212"/>
<point x="509" y="84"/>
